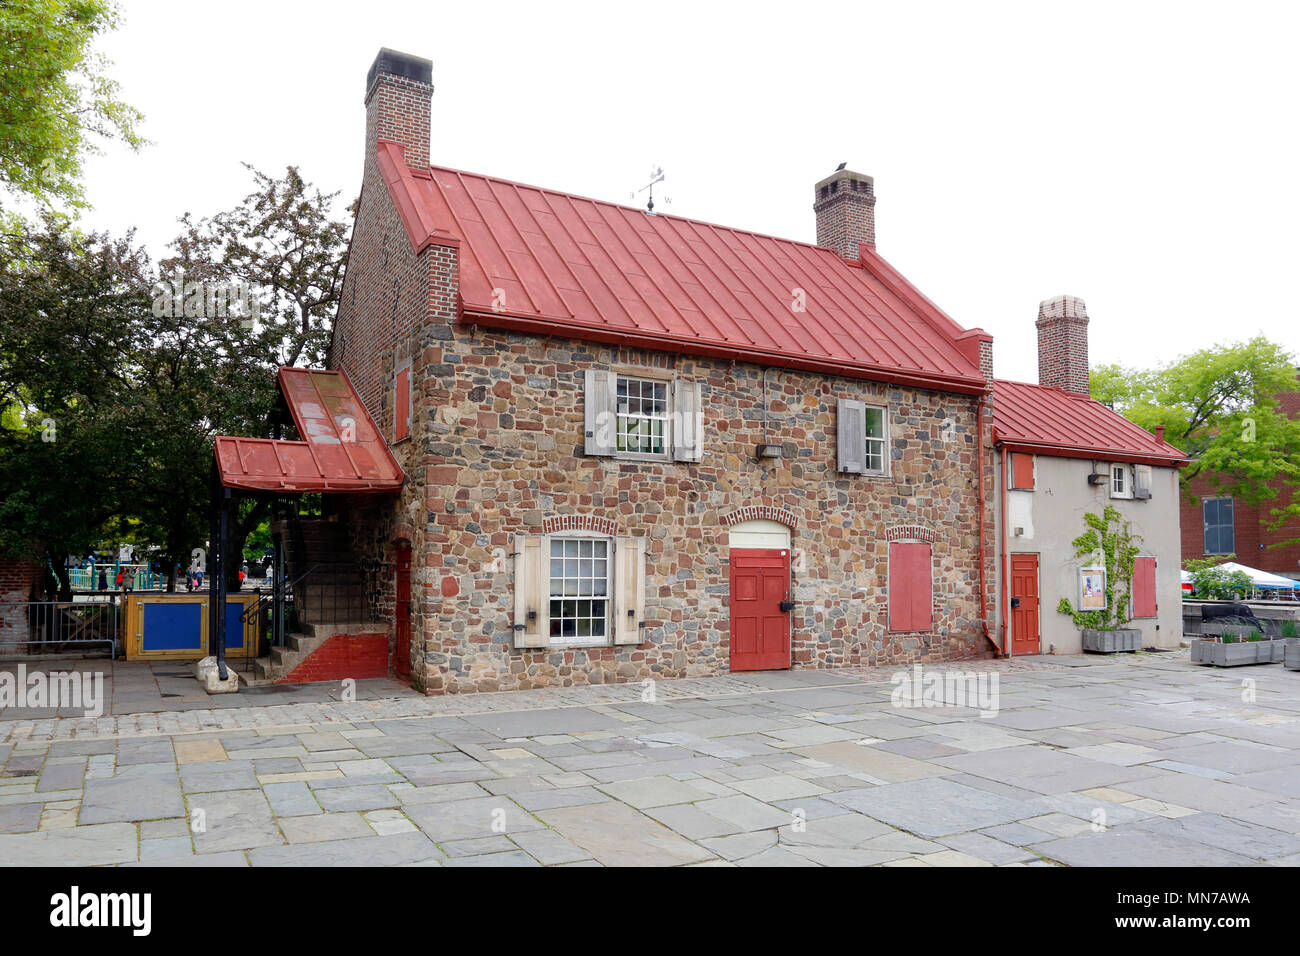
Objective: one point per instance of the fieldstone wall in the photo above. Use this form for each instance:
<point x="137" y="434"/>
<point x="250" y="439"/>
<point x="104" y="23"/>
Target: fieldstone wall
<point x="499" y="436"/>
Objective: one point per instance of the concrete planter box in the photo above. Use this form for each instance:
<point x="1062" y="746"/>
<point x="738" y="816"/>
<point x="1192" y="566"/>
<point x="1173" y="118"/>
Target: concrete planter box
<point x="1291" y="654"/>
<point x="1112" y="642"/>
<point x="1236" y="654"/>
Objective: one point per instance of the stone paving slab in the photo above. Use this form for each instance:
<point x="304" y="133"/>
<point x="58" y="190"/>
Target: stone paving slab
<point x="1086" y="761"/>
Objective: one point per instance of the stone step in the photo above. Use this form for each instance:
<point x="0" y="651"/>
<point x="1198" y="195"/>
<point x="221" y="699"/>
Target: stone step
<point x="322" y="630"/>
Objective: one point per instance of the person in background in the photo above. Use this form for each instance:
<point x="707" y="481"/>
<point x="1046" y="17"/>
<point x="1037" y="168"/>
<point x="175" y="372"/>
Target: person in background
<point x="103" y="578"/>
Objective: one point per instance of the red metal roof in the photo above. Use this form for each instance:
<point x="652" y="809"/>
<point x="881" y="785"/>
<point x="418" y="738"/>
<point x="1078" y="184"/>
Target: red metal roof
<point x="341" y="449"/>
<point x="1051" y="421"/>
<point x="550" y="263"/>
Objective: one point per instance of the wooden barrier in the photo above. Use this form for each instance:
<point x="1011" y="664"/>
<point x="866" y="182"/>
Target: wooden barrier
<point x="174" y="627"/>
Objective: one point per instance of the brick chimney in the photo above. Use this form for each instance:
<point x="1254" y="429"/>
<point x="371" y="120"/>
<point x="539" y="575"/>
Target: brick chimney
<point x="845" y="204"/>
<point x="1063" y="344"/>
<point x="398" y="90"/>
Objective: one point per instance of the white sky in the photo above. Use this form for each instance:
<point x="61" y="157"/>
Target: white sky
<point x="1141" y="155"/>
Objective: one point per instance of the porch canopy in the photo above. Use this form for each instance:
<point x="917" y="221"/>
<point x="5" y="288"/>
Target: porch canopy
<point x="338" y="450"/>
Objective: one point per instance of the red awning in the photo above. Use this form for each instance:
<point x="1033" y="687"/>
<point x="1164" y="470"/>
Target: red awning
<point x="341" y="450"/>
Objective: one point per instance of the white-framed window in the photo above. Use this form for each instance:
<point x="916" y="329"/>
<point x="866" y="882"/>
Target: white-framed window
<point x="579" y="592"/>
<point x="642" y="425"/>
<point x="877" y="438"/>
<point x="643" y="415"/>
<point x="862" y="437"/>
<point x="1121" y="481"/>
<point x="579" y="589"/>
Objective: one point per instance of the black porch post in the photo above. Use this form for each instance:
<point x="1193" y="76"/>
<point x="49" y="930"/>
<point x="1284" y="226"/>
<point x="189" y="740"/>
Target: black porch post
<point x="277" y="583"/>
<point x="217" y="583"/>
<point x="210" y="567"/>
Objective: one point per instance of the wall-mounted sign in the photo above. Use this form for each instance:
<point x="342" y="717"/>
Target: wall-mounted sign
<point x="1092" y="590"/>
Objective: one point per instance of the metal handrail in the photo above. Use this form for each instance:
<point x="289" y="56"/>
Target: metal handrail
<point x="288" y="586"/>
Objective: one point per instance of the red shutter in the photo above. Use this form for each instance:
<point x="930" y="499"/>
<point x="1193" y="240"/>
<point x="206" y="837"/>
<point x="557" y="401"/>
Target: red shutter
<point x="402" y="405"/>
<point x="1144" y="587"/>
<point x="911" y="587"/>
<point x="1022" y="471"/>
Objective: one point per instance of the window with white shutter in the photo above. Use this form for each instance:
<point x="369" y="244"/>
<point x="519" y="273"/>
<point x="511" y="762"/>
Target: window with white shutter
<point x="646" y="417"/>
<point x="862" y="437"/>
<point x="578" y="590"/>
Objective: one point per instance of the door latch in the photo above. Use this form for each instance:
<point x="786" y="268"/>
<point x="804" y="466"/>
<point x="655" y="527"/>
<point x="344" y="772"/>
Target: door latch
<point x="787" y="605"/>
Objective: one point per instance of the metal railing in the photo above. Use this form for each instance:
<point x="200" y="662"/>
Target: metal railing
<point x="42" y="627"/>
<point x="324" y="593"/>
<point x="140" y="578"/>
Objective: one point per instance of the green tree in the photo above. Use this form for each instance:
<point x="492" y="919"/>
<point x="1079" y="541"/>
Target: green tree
<point x="70" y="310"/>
<point x="140" y="368"/>
<point x="56" y="101"/>
<point x="1219" y="407"/>
<point x="283" y="244"/>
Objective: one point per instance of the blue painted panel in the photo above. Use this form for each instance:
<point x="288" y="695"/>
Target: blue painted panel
<point x="172" y="627"/>
<point x="234" y="627"/>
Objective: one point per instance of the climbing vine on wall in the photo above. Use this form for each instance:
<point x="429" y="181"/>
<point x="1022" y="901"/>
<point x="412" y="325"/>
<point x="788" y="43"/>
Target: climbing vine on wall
<point x="1111" y="536"/>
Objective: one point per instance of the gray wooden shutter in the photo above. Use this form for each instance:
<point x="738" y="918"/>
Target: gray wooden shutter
<point x="1142" y="481"/>
<point x="851" y="437"/>
<point x="629" y="590"/>
<point x="688" y="421"/>
<point x="531" y="582"/>
<point x="599" y="412"/>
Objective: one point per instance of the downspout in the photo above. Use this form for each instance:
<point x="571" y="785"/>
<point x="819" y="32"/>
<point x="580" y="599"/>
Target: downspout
<point x="984" y="603"/>
<point x="1002" y="560"/>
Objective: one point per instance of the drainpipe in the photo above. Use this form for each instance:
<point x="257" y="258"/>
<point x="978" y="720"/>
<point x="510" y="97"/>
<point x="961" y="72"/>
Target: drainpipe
<point x="1002" y="560"/>
<point x="984" y="604"/>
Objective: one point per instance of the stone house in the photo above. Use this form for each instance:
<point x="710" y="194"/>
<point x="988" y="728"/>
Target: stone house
<point x="639" y="445"/>
<point x="1060" y="455"/>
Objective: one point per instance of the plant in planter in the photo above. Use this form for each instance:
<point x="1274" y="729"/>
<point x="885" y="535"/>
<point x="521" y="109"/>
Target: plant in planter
<point x="1290" y="641"/>
<point x="1235" y="647"/>
<point x="1108" y="536"/>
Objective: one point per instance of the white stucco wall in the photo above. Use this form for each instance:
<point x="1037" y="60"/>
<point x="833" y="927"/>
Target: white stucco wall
<point x="1051" y="516"/>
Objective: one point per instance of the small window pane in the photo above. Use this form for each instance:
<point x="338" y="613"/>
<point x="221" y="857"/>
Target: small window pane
<point x="875" y="418"/>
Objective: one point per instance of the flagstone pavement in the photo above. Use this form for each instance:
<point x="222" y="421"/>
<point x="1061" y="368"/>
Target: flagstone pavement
<point x="1130" y="760"/>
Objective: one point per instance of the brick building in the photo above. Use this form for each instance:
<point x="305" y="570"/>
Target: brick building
<point x="638" y="445"/>
<point x="1219" y="524"/>
<point x="20" y="581"/>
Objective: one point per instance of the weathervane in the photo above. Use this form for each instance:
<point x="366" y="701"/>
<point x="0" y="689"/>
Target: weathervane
<point x="656" y="176"/>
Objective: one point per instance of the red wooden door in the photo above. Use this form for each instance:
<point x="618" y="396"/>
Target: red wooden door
<point x="760" y="630"/>
<point x="1024" y="619"/>
<point x="402" y="614"/>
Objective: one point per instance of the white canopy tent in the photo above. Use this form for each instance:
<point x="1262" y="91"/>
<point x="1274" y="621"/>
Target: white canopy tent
<point x="1261" y="581"/>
